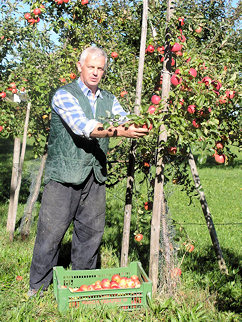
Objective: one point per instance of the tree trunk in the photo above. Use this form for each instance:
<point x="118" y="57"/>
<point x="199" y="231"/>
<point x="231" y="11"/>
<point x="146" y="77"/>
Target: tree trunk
<point x="130" y="177"/>
<point x="26" y="220"/>
<point x="207" y="215"/>
<point x="159" y="216"/>
<point x="14" y="180"/>
<point x="16" y="195"/>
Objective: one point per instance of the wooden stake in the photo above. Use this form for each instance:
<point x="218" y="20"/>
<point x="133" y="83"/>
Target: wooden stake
<point x="159" y="216"/>
<point x="207" y="215"/>
<point x="130" y="177"/>
<point x="14" y="209"/>
<point x="14" y="180"/>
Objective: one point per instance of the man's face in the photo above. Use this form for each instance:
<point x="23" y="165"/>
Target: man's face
<point x="92" y="71"/>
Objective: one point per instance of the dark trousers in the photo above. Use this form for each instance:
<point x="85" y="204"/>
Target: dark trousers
<point x="61" y="204"/>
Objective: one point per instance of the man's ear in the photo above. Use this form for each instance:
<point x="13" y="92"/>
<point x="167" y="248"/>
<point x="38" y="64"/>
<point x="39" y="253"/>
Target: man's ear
<point x="78" y="65"/>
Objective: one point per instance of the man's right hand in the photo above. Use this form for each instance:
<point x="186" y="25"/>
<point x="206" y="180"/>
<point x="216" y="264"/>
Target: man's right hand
<point x="131" y="131"/>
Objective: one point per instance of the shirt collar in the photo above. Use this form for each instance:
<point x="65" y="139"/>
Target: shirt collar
<point x="87" y="90"/>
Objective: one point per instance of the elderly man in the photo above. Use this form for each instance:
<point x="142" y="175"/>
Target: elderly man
<point x="75" y="171"/>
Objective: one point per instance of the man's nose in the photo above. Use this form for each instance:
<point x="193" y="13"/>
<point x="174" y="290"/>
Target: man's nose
<point x="95" y="71"/>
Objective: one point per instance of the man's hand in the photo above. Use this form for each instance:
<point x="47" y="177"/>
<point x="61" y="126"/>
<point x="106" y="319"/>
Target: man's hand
<point x="131" y="131"/>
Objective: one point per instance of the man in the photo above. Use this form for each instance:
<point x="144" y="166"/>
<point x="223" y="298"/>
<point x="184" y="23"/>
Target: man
<point x="75" y="171"/>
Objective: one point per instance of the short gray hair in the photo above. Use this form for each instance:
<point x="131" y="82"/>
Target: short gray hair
<point x="96" y="51"/>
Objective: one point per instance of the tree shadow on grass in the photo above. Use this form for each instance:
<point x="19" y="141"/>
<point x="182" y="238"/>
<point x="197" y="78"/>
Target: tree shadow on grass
<point x="227" y="288"/>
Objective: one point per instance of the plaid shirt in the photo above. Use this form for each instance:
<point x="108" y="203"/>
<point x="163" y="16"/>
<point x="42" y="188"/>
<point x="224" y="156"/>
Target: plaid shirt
<point x="67" y="106"/>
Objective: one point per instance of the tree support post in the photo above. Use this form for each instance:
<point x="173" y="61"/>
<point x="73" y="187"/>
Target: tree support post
<point x="131" y="171"/>
<point x="207" y="215"/>
<point x="159" y="214"/>
<point x="12" y="221"/>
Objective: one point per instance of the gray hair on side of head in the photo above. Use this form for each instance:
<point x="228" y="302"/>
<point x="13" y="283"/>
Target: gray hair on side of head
<point x="95" y="51"/>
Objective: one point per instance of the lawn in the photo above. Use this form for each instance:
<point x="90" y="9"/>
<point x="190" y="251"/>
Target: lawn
<point x="203" y="293"/>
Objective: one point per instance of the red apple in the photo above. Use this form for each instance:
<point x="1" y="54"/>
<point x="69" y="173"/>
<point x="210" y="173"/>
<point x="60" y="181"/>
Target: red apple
<point x="145" y="126"/>
<point x="219" y="146"/>
<point x="90" y="287"/>
<point x="162" y="59"/>
<point x="138" y="237"/>
<point x="172" y="150"/>
<point x="3" y="94"/>
<point x="150" y="49"/>
<point x="63" y="80"/>
<point x="195" y="124"/>
<point x="19" y="278"/>
<point x="148" y="205"/>
<point x="72" y="75"/>
<point x="219" y="158"/>
<point x="130" y="283"/>
<point x="14" y="90"/>
<point x="193" y="72"/>
<point x="123" y="93"/>
<point x="191" y="109"/>
<point x="135" y="277"/>
<point x="114" y="285"/>
<point x="83" y="288"/>
<point x="155" y="99"/>
<point x="116" y="278"/>
<point x="66" y="1"/>
<point x="175" y="80"/>
<point x="1" y="128"/>
<point x="179" y="53"/>
<point x="114" y="54"/>
<point x="151" y="109"/>
<point x="84" y="2"/>
<point x="181" y="20"/>
<point x="198" y="30"/>
<point x="97" y="287"/>
<point x="12" y="85"/>
<point x="230" y="94"/>
<point x="190" y="248"/>
<point x="105" y="283"/>
<point x="176" y="47"/>
<point x="207" y="80"/>
<point x="177" y="71"/>
<point x="27" y="16"/>
<point x="122" y="282"/>
<point x="137" y="284"/>
<point x="37" y="11"/>
<point x="161" y="50"/>
<point x="173" y="62"/>
<point x="59" y="1"/>
<point x="182" y="38"/>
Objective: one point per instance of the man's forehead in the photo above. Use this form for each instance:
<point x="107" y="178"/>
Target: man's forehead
<point x="98" y="59"/>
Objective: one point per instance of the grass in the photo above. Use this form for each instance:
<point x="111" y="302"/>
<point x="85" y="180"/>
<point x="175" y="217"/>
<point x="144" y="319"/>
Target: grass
<point x="203" y="293"/>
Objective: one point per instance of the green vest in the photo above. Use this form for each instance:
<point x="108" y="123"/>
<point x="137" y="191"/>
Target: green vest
<point x="71" y="157"/>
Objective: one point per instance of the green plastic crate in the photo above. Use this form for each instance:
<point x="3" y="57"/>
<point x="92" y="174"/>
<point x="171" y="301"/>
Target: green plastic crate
<point x="128" y="298"/>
